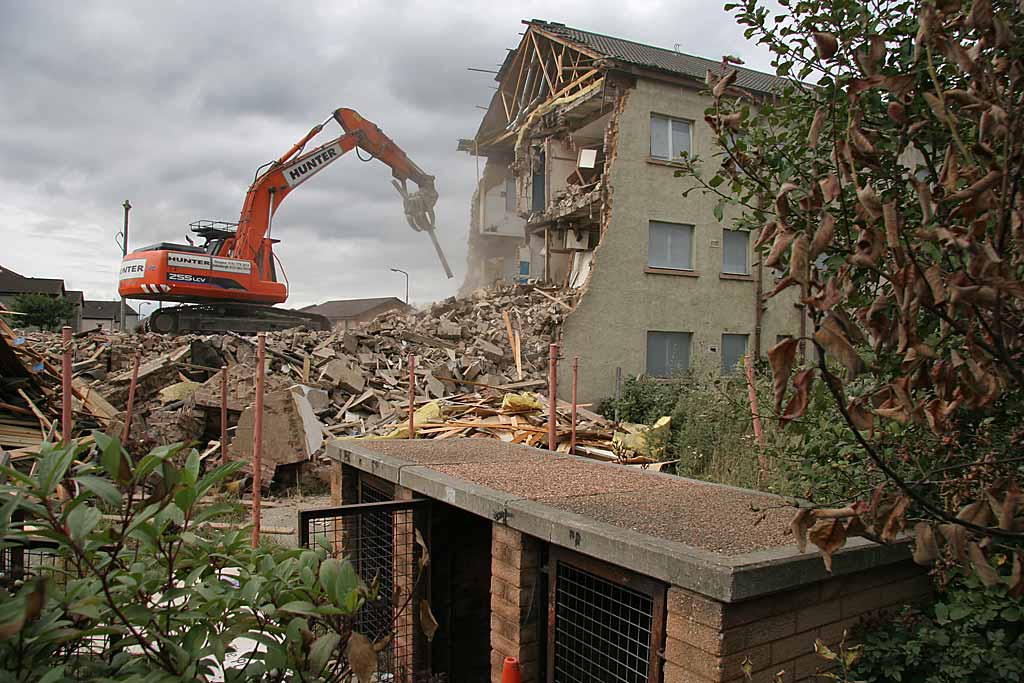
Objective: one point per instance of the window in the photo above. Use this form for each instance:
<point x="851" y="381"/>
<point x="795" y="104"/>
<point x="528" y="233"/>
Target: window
<point x="734" y="347"/>
<point x="668" y="353"/>
<point x="670" y="138"/>
<point x="511" y="200"/>
<point x="735" y="251"/>
<point x="670" y="245"/>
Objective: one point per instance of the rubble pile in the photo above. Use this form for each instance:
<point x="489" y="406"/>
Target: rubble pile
<point x="476" y="358"/>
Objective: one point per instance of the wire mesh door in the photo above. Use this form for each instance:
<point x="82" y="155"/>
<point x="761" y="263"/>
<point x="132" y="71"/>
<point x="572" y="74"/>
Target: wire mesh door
<point x="604" y="623"/>
<point x="379" y="539"/>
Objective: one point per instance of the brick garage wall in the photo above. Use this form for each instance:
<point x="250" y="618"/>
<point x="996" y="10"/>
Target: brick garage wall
<point x="515" y="579"/>
<point x="707" y="641"/>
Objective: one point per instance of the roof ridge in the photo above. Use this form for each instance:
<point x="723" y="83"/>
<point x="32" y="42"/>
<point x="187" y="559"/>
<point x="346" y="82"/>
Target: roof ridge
<point x="740" y="68"/>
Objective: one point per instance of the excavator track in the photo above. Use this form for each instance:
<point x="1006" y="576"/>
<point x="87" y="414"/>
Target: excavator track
<point x="231" y="317"/>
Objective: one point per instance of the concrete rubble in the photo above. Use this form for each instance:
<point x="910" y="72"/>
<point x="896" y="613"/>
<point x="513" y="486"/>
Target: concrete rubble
<point x="478" y="359"/>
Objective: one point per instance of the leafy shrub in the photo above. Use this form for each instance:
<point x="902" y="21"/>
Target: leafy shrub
<point x="971" y="633"/>
<point x="643" y="400"/>
<point x="148" y="591"/>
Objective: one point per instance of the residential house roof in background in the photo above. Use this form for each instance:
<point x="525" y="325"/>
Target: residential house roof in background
<point x="659" y="58"/>
<point x="19" y="284"/>
<point x="104" y="310"/>
<point x="341" y="309"/>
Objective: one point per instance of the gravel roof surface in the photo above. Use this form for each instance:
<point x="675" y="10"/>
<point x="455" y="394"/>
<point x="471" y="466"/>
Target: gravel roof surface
<point x="716" y="518"/>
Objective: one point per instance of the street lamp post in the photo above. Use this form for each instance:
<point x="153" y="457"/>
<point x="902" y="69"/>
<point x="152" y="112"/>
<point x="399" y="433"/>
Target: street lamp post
<point x="399" y="270"/>
<point x="124" y="252"/>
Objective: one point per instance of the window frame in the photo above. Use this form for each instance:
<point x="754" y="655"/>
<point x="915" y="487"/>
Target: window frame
<point x="669" y="120"/>
<point x="746" y="252"/>
<point x="647" y="353"/>
<point x="690" y="256"/>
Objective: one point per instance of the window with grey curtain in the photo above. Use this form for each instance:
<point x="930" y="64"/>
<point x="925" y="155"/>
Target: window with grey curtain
<point x="668" y="353"/>
<point x="735" y="251"/>
<point x="670" y="245"/>
<point x="734" y="347"/>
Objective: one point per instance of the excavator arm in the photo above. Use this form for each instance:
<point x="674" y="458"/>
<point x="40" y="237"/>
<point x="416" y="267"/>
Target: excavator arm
<point x="293" y="168"/>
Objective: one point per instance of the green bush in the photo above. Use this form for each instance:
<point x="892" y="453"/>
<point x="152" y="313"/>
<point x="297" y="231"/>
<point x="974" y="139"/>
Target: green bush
<point x="643" y="400"/>
<point x="140" y="588"/>
<point x="971" y="633"/>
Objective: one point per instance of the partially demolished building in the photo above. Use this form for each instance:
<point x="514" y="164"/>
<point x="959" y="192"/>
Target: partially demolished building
<point x="582" y="139"/>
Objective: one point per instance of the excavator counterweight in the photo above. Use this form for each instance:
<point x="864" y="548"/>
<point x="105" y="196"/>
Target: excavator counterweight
<point x="231" y="282"/>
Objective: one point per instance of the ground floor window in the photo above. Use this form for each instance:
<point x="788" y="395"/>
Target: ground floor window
<point x="668" y="353"/>
<point x="734" y="347"/>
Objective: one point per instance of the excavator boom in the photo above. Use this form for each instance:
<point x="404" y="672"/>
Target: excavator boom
<point x="236" y="269"/>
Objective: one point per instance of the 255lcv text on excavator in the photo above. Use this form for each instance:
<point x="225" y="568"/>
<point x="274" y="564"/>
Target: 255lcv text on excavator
<point x="230" y="283"/>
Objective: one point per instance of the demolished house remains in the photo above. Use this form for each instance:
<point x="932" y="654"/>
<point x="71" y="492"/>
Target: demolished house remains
<point x="582" y="140"/>
<point x="480" y="363"/>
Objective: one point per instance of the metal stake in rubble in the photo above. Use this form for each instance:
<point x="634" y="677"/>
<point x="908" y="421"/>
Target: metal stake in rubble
<point x="224" y="413"/>
<point x="412" y="396"/>
<point x="65" y="376"/>
<point x="257" y="438"/>
<point x="552" y="398"/>
<point x="130" y="408"/>
<point x="575" y="376"/>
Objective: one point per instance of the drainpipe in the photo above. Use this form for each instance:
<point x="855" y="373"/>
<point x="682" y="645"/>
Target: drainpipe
<point x="758" y="308"/>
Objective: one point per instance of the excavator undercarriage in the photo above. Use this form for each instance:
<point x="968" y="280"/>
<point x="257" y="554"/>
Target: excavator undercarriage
<point x="231" y="317"/>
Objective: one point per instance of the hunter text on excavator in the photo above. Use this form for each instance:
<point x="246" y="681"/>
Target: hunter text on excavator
<point x="230" y="283"/>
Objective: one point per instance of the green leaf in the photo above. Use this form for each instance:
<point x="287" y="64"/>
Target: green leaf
<point x="102" y="488"/>
<point x="190" y="475"/>
<point x="113" y="457"/>
<point x="299" y="607"/>
<point x="54" y="464"/>
<point x="53" y="675"/>
<point x="321" y="650"/>
<point x="719" y="211"/>
<point x="81" y="521"/>
<point x="338" y="580"/>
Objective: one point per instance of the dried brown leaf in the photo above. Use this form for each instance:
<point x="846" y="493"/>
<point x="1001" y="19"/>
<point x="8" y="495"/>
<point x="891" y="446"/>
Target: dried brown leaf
<point x="976" y="188"/>
<point x="861" y="417"/>
<point x="783" y="238"/>
<point x="826" y="45"/>
<point x="424" y="551"/>
<point x="869" y="200"/>
<point x="799" y="265"/>
<point x="782" y="357"/>
<point x="723" y="83"/>
<point x="823" y="236"/>
<point x="897" y="112"/>
<point x="427" y="621"/>
<point x="803" y="520"/>
<point x="1017" y="576"/>
<point x="834" y="339"/>
<point x="895" y="520"/>
<point x="766" y="233"/>
<point x="956" y="539"/>
<point x="829" y="536"/>
<point x="817" y="123"/>
<point x="801" y="395"/>
<point x="1007" y="510"/>
<point x="361" y="657"/>
<point x="830" y="187"/>
<point x="986" y="574"/>
<point x="926" y="550"/>
<point x="977" y="512"/>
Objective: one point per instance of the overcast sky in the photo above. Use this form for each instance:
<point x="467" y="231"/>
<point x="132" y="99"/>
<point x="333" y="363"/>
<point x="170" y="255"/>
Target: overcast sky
<point x="173" y="105"/>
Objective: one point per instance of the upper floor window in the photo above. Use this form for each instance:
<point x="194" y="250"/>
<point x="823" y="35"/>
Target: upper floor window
<point x="670" y="245"/>
<point x="735" y="252"/>
<point x="511" y="198"/>
<point x="670" y="138"/>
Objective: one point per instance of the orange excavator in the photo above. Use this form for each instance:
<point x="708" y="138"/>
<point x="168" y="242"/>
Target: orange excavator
<point x="230" y="283"/>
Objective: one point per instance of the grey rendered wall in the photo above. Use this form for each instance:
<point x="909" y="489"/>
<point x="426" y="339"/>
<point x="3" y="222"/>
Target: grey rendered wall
<point x="622" y="303"/>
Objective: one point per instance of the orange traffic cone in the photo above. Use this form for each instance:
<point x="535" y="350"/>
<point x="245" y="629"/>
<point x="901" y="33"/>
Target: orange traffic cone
<point x="510" y="672"/>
